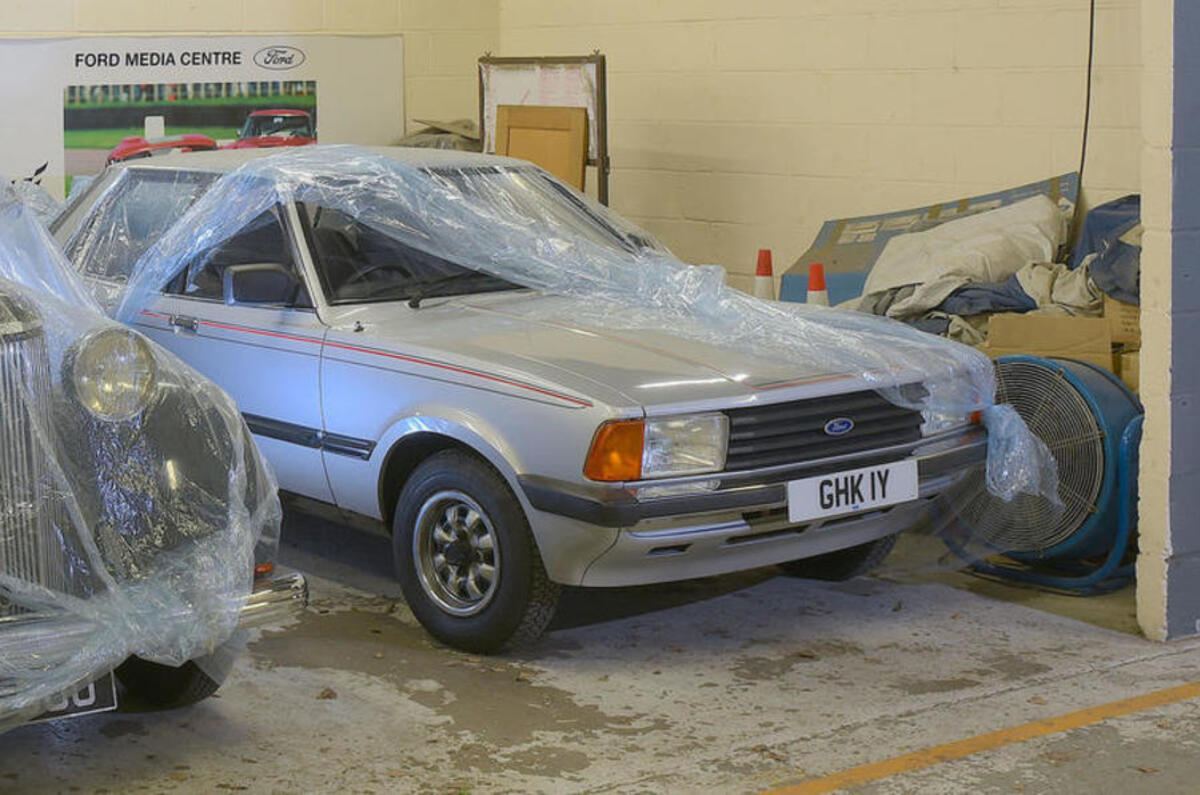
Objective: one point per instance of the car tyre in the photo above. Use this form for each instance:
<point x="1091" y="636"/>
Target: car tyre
<point x="466" y="558"/>
<point x="165" y="686"/>
<point x="843" y="564"/>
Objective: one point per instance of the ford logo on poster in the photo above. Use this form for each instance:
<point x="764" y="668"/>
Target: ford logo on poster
<point x="279" y="56"/>
<point x="839" y="426"/>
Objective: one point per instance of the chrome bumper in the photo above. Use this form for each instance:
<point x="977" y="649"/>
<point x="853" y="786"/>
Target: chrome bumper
<point x="275" y="600"/>
<point x="741" y="526"/>
<point x="40" y="641"/>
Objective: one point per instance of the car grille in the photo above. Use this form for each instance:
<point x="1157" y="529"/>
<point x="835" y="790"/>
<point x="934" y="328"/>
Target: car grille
<point x="792" y="433"/>
<point x="29" y="547"/>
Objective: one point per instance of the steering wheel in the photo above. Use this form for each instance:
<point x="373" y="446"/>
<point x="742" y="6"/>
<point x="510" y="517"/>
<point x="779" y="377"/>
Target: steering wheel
<point x="367" y="271"/>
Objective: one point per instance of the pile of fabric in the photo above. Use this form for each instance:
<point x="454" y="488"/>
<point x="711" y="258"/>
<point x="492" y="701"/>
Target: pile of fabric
<point x="950" y="279"/>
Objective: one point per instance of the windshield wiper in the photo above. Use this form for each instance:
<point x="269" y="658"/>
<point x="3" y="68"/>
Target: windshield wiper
<point x="425" y="289"/>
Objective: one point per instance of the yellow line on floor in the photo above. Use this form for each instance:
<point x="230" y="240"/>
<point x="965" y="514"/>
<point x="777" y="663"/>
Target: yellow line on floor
<point x="949" y="752"/>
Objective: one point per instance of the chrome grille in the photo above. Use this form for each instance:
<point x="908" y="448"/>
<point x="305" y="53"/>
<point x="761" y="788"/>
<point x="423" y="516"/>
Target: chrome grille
<point x="794" y="432"/>
<point x="29" y="547"/>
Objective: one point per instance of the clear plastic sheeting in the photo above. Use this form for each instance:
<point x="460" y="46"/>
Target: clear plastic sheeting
<point x="128" y="217"/>
<point x="79" y="185"/>
<point x="132" y="498"/>
<point x="44" y="206"/>
<point x="509" y="219"/>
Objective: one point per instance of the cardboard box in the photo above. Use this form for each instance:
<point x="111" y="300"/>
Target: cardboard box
<point x="1085" y="338"/>
<point x="1124" y="322"/>
<point x="1128" y="367"/>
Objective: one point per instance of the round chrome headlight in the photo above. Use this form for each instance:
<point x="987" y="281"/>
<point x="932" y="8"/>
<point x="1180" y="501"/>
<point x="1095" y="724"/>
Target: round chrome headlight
<point x="113" y="374"/>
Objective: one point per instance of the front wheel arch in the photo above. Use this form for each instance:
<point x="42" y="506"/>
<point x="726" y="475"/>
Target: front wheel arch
<point x="402" y="460"/>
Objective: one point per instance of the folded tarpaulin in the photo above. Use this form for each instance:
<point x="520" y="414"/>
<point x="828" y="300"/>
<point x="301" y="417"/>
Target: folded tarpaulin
<point x="975" y="299"/>
<point x="1110" y="243"/>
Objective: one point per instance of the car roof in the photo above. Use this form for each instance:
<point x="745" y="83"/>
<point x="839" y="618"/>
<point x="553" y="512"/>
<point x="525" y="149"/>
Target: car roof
<point x="224" y="160"/>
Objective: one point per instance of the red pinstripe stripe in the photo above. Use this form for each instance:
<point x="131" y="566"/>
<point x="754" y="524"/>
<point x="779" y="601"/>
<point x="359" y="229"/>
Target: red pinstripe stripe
<point x="400" y="357"/>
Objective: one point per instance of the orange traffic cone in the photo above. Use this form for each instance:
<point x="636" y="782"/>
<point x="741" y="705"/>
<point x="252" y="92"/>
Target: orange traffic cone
<point x="764" y="276"/>
<point x="817" y="294"/>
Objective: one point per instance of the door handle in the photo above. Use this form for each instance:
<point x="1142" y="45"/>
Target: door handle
<point x="184" y="322"/>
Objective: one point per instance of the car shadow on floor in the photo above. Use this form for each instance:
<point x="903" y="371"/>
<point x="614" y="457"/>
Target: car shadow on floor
<point x="359" y="558"/>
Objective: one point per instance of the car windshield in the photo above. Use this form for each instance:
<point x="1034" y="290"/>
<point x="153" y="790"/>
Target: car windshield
<point x="282" y="124"/>
<point x="361" y="263"/>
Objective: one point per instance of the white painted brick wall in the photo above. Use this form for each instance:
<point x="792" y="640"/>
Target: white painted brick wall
<point x="1157" y="116"/>
<point x="771" y="116"/>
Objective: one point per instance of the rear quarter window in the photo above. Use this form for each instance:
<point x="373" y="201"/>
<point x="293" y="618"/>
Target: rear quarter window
<point x="131" y="215"/>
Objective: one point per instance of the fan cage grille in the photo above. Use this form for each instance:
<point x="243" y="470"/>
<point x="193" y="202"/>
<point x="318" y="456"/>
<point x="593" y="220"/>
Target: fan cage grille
<point x="1061" y="417"/>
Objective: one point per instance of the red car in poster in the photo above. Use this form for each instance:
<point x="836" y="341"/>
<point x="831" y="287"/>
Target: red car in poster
<point x="136" y="146"/>
<point x="267" y="128"/>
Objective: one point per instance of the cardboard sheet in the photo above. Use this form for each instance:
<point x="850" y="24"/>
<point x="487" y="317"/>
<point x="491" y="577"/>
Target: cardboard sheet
<point x="1083" y="338"/>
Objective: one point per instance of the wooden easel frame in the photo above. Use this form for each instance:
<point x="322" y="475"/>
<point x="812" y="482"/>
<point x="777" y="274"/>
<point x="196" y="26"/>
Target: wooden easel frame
<point x="600" y="161"/>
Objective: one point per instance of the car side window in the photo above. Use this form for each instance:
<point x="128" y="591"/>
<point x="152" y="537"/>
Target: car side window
<point x="265" y="240"/>
<point x="130" y="217"/>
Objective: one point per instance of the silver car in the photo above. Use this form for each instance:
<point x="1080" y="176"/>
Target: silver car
<point x="506" y="453"/>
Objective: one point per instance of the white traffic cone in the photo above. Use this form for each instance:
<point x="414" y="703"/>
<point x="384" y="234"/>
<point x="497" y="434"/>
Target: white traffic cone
<point x="817" y="294"/>
<point x="764" y="276"/>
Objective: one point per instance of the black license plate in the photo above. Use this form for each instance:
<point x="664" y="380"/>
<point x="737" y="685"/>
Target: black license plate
<point x="99" y="696"/>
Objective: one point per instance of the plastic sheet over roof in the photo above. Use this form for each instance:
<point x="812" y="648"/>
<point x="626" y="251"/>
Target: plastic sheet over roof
<point x="118" y="537"/>
<point x="45" y="207"/>
<point x="516" y="222"/>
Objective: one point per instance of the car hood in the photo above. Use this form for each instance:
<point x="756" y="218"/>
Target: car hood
<point x="524" y="334"/>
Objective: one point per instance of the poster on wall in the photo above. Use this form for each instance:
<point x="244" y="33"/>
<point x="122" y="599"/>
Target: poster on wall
<point x="94" y="101"/>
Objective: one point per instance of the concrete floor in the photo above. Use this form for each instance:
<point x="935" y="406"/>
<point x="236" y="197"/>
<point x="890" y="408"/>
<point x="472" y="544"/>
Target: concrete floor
<point x="733" y="684"/>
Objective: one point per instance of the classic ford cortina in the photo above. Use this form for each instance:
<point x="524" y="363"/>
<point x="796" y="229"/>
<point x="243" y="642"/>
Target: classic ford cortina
<point x="409" y="335"/>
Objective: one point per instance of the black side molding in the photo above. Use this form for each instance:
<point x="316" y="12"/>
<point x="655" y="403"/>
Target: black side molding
<point x="312" y="438"/>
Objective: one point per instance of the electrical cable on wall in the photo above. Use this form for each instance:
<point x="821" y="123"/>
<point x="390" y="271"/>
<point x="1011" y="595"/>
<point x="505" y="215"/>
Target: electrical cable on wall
<point x="1087" y="98"/>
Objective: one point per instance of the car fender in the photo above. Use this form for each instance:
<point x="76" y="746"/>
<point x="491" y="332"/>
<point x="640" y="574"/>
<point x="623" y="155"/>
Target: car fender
<point x="566" y="545"/>
<point x="462" y="426"/>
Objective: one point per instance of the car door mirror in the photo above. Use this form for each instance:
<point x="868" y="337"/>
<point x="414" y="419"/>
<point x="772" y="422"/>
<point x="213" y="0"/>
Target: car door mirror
<point x="259" y="283"/>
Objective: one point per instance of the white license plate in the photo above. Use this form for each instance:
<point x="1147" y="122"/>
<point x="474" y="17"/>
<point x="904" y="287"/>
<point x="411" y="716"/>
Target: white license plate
<point x="852" y="491"/>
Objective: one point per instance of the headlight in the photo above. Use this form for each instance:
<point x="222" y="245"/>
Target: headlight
<point x="685" y="445"/>
<point x="916" y="395"/>
<point x="936" y="421"/>
<point x="113" y="374"/>
<point x="658" y="447"/>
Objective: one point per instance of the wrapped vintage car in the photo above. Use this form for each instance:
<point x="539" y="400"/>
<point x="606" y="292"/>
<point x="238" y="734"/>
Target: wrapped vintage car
<point x="138" y="523"/>
<point x="527" y="389"/>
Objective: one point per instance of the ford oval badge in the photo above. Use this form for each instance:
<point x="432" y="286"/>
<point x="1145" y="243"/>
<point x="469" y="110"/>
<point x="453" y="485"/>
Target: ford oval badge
<point x="839" y="426"/>
<point x="281" y="56"/>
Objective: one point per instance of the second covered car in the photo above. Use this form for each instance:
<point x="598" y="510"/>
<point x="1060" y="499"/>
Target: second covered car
<point x="524" y="388"/>
<point x="138" y="522"/>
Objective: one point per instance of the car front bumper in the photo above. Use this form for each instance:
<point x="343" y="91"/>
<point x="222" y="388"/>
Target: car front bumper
<point x="741" y="525"/>
<point x="38" y="640"/>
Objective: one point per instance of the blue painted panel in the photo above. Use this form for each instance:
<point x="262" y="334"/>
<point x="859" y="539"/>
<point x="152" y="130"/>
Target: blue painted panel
<point x="841" y="286"/>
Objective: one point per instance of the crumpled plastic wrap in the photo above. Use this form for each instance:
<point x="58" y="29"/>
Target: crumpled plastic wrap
<point x="127" y="526"/>
<point x="128" y="217"/>
<point x="510" y="219"/>
<point x="44" y="206"/>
